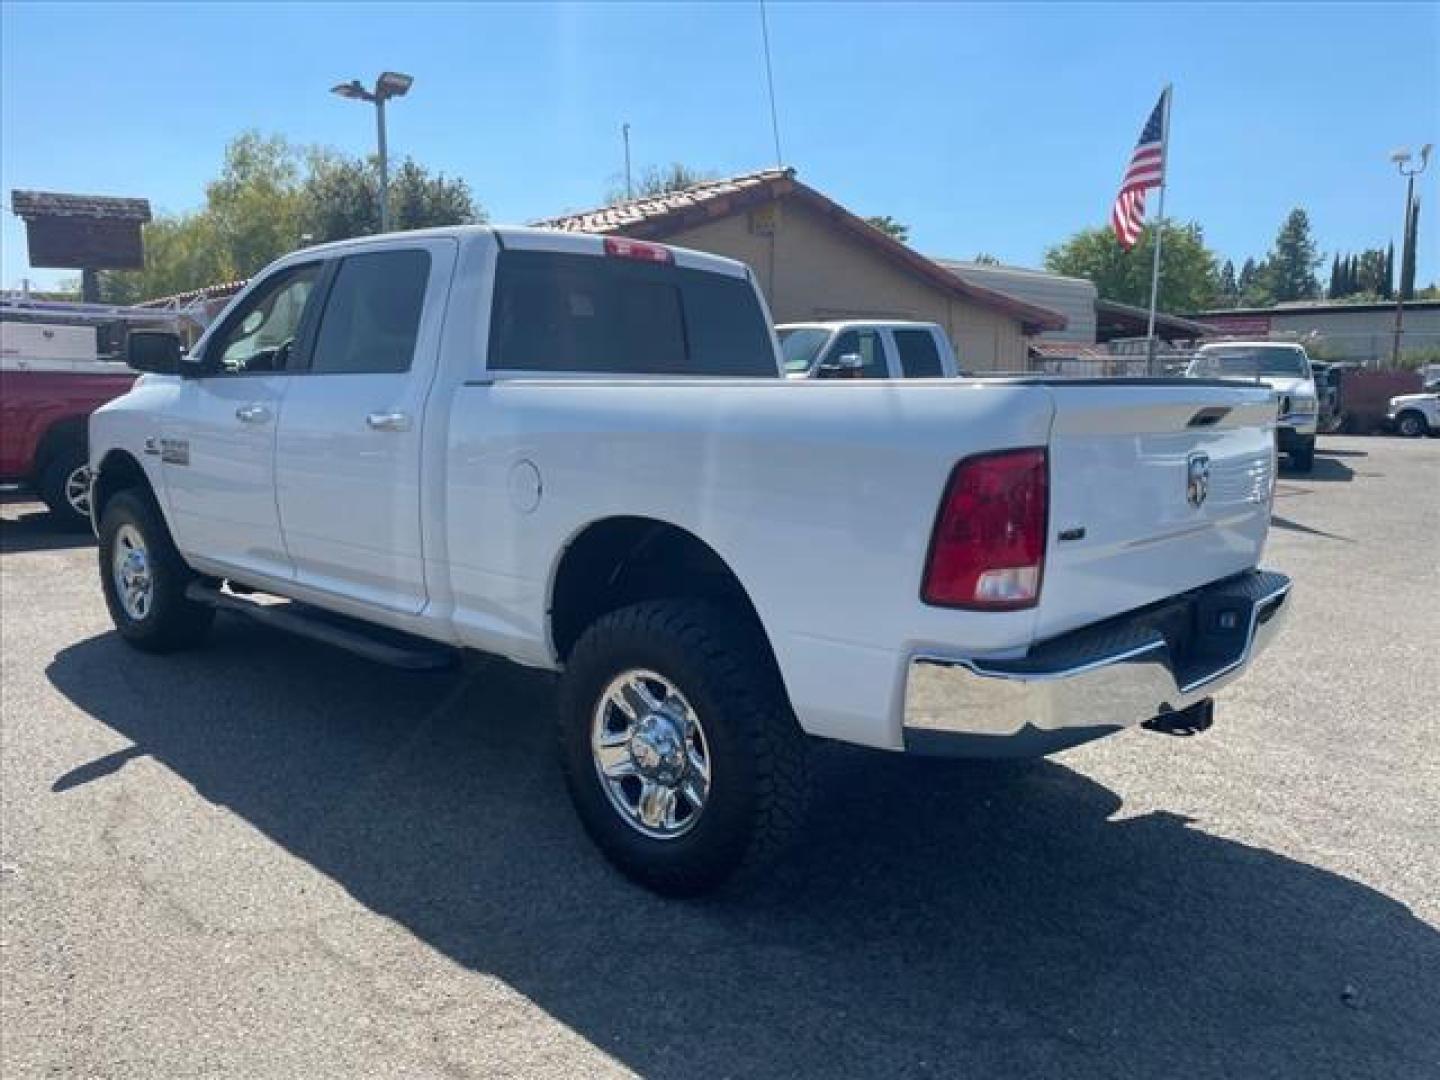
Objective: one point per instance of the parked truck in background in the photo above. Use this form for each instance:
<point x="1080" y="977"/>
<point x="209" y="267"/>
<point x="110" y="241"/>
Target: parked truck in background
<point x="579" y="454"/>
<point x="866" y="349"/>
<point x="1283" y="367"/>
<point x="51" y="380"/>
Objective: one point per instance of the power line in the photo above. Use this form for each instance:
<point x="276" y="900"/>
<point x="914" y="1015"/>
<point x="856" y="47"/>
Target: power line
<point x="770" y="82"/>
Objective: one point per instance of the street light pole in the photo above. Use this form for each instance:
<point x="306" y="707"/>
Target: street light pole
<point x="391" y="84"/>
<point x="1402" y="162"/>
<point x="384" y="164"/>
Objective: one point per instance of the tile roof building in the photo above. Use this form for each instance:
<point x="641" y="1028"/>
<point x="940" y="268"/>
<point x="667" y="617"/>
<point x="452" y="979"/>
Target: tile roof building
<point x="815" y="259"/>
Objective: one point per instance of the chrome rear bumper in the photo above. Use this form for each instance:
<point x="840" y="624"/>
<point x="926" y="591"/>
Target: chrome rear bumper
<point x="1096" y="680"/>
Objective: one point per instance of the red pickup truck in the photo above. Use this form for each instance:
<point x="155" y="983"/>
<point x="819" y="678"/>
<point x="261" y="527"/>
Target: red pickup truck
<point x="45" y="408"/>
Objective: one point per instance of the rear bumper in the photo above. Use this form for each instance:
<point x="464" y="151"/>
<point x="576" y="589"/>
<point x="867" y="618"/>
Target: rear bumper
<point x="1096" y="680"/>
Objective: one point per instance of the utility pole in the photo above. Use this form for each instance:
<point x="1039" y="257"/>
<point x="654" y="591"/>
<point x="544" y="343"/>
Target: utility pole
<point x="629" y="186"/>
<point x="1401" y="158"/>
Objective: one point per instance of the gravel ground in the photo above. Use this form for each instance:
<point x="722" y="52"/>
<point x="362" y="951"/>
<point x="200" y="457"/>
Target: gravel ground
<point x="268" y="859"/>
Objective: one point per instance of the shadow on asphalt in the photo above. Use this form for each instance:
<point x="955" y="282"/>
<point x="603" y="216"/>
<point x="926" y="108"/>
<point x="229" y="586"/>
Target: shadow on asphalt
<point x="941" y="918"/>
<point x="1326" y="469"/>
<point x="35" y="530"/>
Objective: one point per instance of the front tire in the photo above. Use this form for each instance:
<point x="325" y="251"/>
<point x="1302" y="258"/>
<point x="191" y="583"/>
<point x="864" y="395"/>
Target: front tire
<point x="684" y="761"/>
<point x="1411" y="425"/>
<point x="144" y="578"/>
<point x="65" y="487"/>
<point x="1302" y="458"/>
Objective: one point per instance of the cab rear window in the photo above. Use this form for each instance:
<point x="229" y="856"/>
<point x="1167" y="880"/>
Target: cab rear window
<point x="560" y="312"/>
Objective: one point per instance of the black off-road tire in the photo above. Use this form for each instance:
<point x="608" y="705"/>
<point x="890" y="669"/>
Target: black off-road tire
<point x="53" y="481"/>
<point x="720" y="663"/>
<point x="172" y="622"/>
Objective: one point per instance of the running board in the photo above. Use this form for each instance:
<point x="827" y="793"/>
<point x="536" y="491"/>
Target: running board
<point x="380" y="644"/>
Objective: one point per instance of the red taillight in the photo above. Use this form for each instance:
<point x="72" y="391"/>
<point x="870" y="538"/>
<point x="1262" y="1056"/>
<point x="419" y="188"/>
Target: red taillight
<point x="621" y="248"/>
<point x="988" y="548"/>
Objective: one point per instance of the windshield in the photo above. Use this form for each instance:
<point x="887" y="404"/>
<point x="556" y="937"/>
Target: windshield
<point x="1252" y="361"/>
<point x="800" y="346"/>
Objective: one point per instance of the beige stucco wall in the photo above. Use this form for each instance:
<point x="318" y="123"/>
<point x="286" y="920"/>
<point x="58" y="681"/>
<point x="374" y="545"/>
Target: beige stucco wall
<point x="811" y="269"/>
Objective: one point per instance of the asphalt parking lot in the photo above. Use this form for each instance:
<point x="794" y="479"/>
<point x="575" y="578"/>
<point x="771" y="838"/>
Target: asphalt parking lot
<point x="268" y="859"/>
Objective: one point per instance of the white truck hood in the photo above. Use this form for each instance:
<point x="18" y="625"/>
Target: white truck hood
<point x="1412" y="399"/>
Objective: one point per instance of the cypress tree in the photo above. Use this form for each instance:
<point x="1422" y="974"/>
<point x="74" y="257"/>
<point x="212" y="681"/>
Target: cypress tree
<point x="1407" y="263"/>
<point x="1334" y="289"/>
<point x="1387" y="282"/>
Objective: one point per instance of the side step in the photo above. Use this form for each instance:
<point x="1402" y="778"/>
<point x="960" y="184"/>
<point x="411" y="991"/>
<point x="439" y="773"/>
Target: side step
<point x="378" y="643"/>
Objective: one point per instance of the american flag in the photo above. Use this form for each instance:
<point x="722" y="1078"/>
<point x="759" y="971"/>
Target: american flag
<point x="1147" y="170"/>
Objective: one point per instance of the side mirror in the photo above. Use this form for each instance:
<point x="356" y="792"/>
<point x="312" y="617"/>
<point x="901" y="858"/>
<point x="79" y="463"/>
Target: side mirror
<point x="839" y="367"/>
<point x="154" y="351"/>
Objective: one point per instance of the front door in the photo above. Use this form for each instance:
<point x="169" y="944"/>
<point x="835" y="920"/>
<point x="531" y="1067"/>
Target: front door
<point x="348" y="456"/>
<point x="217" y="443"/>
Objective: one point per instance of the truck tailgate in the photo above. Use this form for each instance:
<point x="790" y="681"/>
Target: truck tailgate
<point x="1155" y="488"/>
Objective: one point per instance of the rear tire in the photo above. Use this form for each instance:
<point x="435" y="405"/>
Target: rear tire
<point x="1411" y="425"/>
<point x="144" y="578"/>
<point x="1302" y="459"/>
<point x="753" y="753"/>
<point x="65" y="486"/>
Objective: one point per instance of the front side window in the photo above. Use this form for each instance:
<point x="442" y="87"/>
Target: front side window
<point x="919" y="356"/>
<point x="261" y="334"/>
<point x="800" y="345"/>
<point x="868" y="345"/>
<point x="560" y="312"/>
<point x="372" y="314"/>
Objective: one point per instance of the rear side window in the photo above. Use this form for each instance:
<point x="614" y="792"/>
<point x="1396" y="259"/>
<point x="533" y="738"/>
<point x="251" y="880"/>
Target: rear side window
<point x="919" y="356"/>
<point x="372" y="315"/>
<point x="595" y="314"/>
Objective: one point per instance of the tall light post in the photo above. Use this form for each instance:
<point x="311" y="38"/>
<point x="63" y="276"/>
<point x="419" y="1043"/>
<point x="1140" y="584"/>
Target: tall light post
<point x="1402" y="161"/>
<point x="391" y="84"/>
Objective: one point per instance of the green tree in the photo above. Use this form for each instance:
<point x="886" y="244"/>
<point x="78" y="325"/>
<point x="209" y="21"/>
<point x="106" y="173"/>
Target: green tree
<point x="1387" y="290"/>
<point x="1189" y="273"/>
<point x="271" y="197"/>
<point x="1407" y="264"/>
<point x="1333" y="289"/>
<point x="341" y="198"/>
<point x="660" y="181"/>
<point x="890" y="227"/>
<point x="1229" y="288"/>
<point x="1290" y="266"/>
<point x="984" y="258"/>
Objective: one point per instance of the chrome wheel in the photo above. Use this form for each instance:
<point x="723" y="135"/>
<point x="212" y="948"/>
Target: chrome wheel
<point x="650" y="754"/>
<point x="77" y="490"/>
<point x="130" y="566"/>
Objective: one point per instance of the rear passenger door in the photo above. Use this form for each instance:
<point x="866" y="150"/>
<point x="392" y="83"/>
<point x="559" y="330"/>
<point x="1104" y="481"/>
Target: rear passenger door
<point x="348" y="452"/>
<point x="919" y="355"/>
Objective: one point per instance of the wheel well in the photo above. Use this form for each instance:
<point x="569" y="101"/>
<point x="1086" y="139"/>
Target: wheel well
<point x="57" y="436"/>
<point x="622" y="561"/>
<point x="118" y="472"/>
<point x="1417" y="413"/>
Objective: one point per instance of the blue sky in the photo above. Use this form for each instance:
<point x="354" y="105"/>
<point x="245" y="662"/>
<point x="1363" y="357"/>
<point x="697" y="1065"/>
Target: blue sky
<point x="985" y="128"/>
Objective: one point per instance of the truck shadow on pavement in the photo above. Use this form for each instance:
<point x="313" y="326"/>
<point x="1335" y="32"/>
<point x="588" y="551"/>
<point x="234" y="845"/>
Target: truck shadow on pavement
<point x="35" y="530"/>
<point x="940" y="918"/>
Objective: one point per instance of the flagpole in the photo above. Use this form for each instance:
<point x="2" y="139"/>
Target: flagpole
<point x="1159" y="236"/>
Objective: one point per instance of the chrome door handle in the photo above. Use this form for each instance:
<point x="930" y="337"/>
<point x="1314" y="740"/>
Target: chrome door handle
<point x="388" y="421"/>
<point x="253" y="414"/>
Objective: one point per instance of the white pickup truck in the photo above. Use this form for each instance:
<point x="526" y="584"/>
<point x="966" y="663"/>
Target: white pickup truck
<point x="866" y="349"/>
<point x="1285" y="368"/>
<point x="578" y="453"/>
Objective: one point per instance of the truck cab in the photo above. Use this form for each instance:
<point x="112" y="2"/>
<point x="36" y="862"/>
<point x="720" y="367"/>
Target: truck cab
<point x="866" y="349"/>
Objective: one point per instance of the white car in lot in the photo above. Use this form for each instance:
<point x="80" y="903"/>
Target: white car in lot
<point x="866" y="349"/>
<point x="1413" y="415"/>
<point x="1283" y="367"/>
<point x="579" y="453"/>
